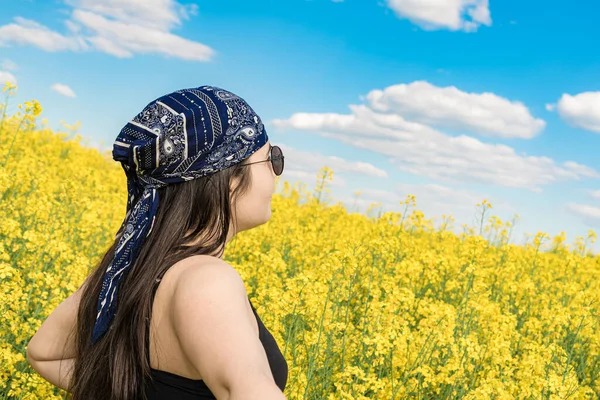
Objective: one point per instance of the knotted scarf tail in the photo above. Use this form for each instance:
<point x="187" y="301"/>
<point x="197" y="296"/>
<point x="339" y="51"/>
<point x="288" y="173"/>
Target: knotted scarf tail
<point x="138" y="226"/>
<point x="134" y="191"/>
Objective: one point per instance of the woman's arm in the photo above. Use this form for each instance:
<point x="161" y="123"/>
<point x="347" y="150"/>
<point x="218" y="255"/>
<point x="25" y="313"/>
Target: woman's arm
<point x="57" y="372"/>
<point x="210" y="317"/>
<point x="51" y="351"/>
<point x="50" y="342"/>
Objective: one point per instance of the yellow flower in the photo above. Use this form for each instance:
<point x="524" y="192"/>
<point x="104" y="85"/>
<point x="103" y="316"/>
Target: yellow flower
<point x="362" y="308"/>
<point x="9" y="86"/>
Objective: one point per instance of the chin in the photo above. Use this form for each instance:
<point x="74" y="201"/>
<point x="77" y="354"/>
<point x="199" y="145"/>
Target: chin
<point x="267" y="216"/>
<point x="258" y="222"/>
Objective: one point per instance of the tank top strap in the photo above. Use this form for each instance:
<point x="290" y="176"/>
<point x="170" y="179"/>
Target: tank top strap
<point x="154" y="287"/>
<point x="252" y="306"/>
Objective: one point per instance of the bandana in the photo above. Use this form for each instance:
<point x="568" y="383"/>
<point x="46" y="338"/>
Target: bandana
<point x="180" y="136"/>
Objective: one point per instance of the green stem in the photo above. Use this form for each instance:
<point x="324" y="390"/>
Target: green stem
<point x="13" y="142"/>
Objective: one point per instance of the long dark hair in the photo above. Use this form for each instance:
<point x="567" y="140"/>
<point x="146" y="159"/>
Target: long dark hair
<point x="193" y="218"/>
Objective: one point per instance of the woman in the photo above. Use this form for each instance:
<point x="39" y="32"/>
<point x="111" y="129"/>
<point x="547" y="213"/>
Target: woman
<point x="199" y="169"/>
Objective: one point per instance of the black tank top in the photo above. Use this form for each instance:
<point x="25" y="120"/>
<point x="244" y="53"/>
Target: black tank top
<point x="167" y="385"/>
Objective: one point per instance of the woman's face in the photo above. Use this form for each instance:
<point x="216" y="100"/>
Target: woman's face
<point x="253" y="208"/>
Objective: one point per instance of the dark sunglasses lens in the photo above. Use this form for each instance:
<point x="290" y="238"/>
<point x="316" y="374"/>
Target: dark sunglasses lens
<point x="277" y="160"/>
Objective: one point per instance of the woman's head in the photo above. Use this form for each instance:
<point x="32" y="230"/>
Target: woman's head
<point x="183" y="136"/>
<point x="251" y="185"/>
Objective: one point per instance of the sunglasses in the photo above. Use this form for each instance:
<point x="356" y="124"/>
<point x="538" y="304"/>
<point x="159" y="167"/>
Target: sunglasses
<point x="276" y="158"/>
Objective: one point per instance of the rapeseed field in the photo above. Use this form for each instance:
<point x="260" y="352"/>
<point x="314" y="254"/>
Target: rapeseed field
<point x="363" y="307"/>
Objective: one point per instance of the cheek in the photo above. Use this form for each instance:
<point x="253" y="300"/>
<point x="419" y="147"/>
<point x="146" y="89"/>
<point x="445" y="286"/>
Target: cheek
<point x="257" y="197"/>
<point x="264" y="183"/>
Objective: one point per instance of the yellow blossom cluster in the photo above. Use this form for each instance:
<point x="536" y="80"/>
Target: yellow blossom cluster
<point x="363" y="307"/>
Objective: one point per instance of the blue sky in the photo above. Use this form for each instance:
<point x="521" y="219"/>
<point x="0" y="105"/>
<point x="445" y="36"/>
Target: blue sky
<point x="453" y="100"/>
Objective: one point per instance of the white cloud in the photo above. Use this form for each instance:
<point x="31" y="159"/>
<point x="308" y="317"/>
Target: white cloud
<point x="448" y="107"/>
<point x="425" y="151"/>
<point x="440" y="195"/>
<point x="465" y="15"/>
<point x="434" y="200"/>
<point x="63" y="90"/>
<point x="581" y="110"/>
<point x="305" y="166"/>
<point x="589" y="213"/>
<point x="595" y="194"/>
<point x="9" y="65"/>
<point x="550" y="107"/>
<point x="581" y="170"/>
<point x="123" y="39"/>
<point x="432" y="196"/>
<point x="121" y="28"/>
<point x="310" y="177"/>
<point x="157" y="14"/>
<point x="27" y="32"/>
<point x="6" y="76"/>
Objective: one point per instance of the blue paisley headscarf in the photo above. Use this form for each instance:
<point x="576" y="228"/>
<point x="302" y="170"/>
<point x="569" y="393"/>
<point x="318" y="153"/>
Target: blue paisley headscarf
<point x="180" y="136"/>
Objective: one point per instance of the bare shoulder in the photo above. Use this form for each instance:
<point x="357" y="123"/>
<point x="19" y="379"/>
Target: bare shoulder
<point x="212" y="320"/>
<point x="206" y="283"/>
<point x="206" y="271"/>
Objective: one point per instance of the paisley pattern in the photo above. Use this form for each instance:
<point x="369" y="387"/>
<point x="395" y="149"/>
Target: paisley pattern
<point x="178" y="137"/>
